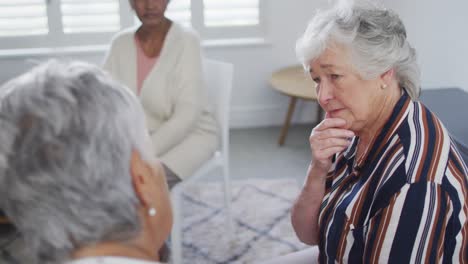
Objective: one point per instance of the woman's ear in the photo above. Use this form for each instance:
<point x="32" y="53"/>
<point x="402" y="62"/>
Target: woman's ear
<point x="388" y="76"/>
<point x="142" y="178"/>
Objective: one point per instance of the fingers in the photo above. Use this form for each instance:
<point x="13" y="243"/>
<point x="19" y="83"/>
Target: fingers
<point x="326" y="154"/>
<point x="322" y="144"/>
<point x="333" y="133"/>
<point x="330" y="123"/>
<point x="329" y="138"/>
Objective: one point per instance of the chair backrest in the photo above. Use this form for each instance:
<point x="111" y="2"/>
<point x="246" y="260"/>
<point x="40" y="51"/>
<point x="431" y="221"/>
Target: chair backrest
<point x="218" y="78"/>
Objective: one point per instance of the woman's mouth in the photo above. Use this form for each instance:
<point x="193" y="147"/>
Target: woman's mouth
<point x="151" y="15"/>
<point x="333" y="113"/>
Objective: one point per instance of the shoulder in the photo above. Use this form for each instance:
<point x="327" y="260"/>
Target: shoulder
<point x="427" y="144"/>
<point x="419" y="126"/>
<point x="123" y="38"/>
<point x="185" y="35"/>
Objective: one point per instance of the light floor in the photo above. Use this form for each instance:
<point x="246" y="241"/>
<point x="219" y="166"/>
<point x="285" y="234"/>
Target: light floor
<point x="255" y="153"/>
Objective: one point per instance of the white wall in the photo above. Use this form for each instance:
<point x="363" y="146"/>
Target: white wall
<point x="437" y="29"/>
<point x="439" y="32"/>
<point x="254" y="102"/>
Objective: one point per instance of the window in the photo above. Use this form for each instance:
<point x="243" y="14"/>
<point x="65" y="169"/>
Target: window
<point x="219" y="19"/>
<point x="179" y="10"/>
<point x="231" y="13"/>
<point x="23" y="18"/>
<point x="89" y="16"/>
<point x="28" y="24"/>
<point x="60" y="23"/>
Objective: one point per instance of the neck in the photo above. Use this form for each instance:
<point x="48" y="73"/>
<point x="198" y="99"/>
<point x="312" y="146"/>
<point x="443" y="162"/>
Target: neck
<point x="366" y="136"/>
<point x="144" y="246"/>
<point x="128" y="250"/>
<point x="156" y="32"/>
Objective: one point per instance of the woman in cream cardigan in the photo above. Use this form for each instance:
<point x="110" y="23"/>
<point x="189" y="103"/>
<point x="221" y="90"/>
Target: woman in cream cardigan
<point x="160" y="61"/>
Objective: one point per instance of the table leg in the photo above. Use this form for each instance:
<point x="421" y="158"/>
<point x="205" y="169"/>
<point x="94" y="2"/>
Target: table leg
<point x="287" y="121"/>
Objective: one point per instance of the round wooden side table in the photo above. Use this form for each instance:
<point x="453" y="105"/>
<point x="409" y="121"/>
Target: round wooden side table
<point x="297" y="84"/>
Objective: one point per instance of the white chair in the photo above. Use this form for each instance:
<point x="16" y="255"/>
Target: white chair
<point x="218" y="80"/>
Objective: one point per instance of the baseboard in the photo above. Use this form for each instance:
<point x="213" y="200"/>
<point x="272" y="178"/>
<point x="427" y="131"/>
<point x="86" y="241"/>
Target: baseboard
<point x="263" y="116"/>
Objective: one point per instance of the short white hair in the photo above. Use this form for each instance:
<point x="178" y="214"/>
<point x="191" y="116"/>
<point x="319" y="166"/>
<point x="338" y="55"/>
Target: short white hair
<point x="375" y="37"/>
<point x="68" y="132"/>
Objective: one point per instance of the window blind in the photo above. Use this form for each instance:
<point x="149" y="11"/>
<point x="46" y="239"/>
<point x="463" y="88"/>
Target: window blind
<point x="23" y="18"/>
<point x="219" y="13"/>
<point x="179" y="10"/>
<point x="90" y="16"/>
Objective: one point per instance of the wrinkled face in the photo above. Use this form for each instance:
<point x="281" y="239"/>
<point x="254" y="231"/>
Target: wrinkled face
<point x="343" y="93"/>
<point x="150" y="12"/>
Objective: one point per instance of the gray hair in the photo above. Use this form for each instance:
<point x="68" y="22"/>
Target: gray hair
<point x="375" y="37"/>
<point x="68" y="132"/>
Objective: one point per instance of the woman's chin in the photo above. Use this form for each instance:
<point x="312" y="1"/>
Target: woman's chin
<point x="348" y="125"/>
<point x="151" y="22"/>
<point x="340" y="115"/>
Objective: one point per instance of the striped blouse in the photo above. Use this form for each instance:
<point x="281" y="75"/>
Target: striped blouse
<point x="407" y="204"/>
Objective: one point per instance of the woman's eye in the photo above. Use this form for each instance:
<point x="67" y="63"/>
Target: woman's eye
<point x="316" y="80"/>
<point x="334" y="76"/>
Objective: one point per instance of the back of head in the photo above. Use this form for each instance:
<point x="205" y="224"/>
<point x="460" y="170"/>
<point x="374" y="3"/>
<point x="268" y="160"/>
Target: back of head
<point x="374" y="36"/>
<point x="68" y="132"/>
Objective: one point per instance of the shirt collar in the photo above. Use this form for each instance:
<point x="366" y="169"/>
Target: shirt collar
<point x="399" y="113"/>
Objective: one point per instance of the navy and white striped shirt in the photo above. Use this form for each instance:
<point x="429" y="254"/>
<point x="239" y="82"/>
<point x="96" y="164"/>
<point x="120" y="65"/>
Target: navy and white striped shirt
<point x="407" y="204"/>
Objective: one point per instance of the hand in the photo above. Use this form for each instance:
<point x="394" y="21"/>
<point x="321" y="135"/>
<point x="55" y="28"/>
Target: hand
<point x="327" y="139"/>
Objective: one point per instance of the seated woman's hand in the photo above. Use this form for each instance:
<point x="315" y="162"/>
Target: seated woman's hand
<point x="328" y="138"/>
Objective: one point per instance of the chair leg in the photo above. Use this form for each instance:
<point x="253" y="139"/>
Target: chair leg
<point x="227" y="202"/>
<point x="176" y="235"/>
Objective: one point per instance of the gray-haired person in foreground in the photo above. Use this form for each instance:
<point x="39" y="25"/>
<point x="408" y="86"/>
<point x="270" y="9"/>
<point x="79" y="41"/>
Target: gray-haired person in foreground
<point x="77" y="174"/>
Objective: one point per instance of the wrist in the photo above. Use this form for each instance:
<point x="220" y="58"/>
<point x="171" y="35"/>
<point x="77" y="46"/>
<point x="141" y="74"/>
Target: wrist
<point x="316" y="177"/>
<point x="318" y="169"/>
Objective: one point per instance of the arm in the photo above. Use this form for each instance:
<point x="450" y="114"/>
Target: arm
<point x="326" y="140"/>
<point x="305" y="212"/>
<point x="188" y="105"/>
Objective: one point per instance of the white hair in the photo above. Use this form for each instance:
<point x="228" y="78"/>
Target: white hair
<point x="375" y="37"/>
<point x="68" y="132"/>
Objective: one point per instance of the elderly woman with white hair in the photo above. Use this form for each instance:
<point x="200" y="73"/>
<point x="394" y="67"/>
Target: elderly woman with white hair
<point x="386" y="183"/>
<point x="160" y="61"/>
<point x="77" y="176"/>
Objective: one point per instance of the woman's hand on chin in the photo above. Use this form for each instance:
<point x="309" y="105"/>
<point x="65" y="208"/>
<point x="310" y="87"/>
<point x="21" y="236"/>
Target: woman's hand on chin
<point x="328" y="138"/>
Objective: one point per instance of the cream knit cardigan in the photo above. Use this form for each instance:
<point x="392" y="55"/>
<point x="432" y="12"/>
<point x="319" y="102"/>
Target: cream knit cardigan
<point x="181" y="124"/>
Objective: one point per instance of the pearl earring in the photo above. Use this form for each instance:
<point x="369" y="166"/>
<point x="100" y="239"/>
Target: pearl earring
<point x="152" y="212"/>
<point x="383" y="86"/>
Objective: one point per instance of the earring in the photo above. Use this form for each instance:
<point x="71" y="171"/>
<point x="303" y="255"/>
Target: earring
<point x="152" y="212"/>
<point x="383" y="86"/>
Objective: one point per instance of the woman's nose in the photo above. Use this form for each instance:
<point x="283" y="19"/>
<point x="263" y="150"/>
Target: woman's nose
<point x="324" y="93"/>
<point x="155" y="3"/>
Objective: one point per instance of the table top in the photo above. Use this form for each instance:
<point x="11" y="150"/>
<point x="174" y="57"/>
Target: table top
<point x="294" y="81"/>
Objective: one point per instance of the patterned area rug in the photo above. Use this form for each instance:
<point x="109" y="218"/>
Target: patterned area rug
<point x="261" y="210"/>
